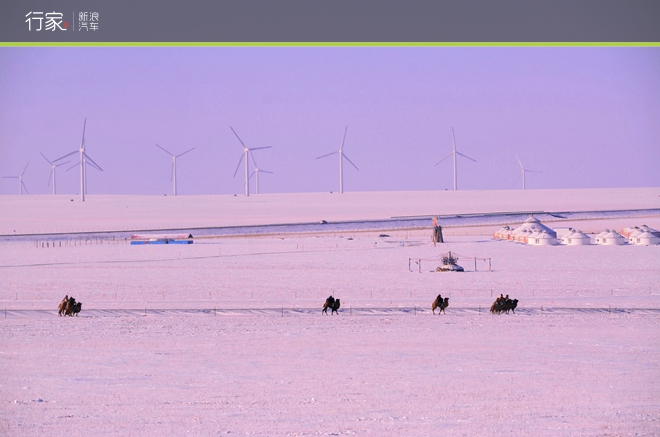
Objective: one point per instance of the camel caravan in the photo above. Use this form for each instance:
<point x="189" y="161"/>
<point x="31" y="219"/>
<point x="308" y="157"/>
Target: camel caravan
<point x="503" y="305"/>
<point x="69" y="307"/>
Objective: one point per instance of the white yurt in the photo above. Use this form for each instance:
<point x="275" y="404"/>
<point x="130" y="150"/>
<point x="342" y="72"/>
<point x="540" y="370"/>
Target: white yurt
<point x="576" y="238"/>
<point x="541" y="238"/>
<point x="627" y="232"/>
<point x="530" y="225"/>
<point x="521" y="236"/>
<point x="651" y="230"/>
<point x="631" y="233"/>
<point x="503" y="234"/>
<point x="644" y="239"/>
<point x="610" y="238"/>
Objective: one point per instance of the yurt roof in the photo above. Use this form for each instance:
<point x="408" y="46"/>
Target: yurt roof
<point x="576" y="234"/>
<point x="613" y="234"/>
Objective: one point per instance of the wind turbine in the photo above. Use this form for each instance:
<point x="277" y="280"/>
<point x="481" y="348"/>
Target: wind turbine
<point x="84" y="157"/>
<point x="21" y="185"/>
<point x="256" y="171"/>
<point x="342" y="156"/>
<point x="245" y="157"/>
<point x="52" y="172"/>
<point x="174" y="157"/>
<point x="454" y="153"/>
<point x="523" y="171"/>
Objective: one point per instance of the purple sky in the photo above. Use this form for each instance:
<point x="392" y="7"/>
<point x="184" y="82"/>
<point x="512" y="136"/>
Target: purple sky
<point x="585" y="117"/>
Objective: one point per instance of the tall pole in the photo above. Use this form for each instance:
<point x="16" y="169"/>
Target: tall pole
<point x="247" y="177"/>
<point x="82" y="164"/>
<point x="174" y="174"/>
<point x="453" y="140"/>
<point x="82" y="176"/>
<point x="341" y="172"/>
<point x="256" y="174"/>
<point x="523" y="178"/>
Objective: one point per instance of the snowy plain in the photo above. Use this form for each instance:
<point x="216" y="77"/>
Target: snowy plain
<point x="580" y="357"/>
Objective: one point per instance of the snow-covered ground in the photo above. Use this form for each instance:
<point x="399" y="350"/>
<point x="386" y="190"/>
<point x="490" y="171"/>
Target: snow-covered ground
<point x="580" y="357"/>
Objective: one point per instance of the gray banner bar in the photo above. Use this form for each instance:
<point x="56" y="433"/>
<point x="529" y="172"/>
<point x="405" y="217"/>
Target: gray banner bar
<point x="330" y="21"/>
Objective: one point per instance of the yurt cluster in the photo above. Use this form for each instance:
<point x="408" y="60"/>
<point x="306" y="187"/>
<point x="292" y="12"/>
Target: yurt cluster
<point x="535" y="233"/>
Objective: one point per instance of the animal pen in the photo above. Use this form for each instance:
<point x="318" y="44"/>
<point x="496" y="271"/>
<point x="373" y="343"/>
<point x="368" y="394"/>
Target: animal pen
<point x="439" y="260"/>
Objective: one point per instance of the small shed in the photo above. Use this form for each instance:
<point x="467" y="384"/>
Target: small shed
<point x="575" y="238"/>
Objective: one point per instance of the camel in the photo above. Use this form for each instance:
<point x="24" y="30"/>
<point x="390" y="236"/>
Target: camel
<point x="69" y="307"/>
<point x="333" y="304"/>
<point x="504" y="306"/>
<point x="440" y="303"/>
<point x="73" y="309"/>
<point x="63" y="306"/>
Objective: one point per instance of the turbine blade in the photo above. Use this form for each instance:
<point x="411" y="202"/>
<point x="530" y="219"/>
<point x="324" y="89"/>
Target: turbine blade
<point x="343" y="139"/>
<point x="73" y="166"/>
<point x="45" y="158"/>
<point x="259" y="148"/>
<point x="98" y="167"/>
<point x="250" y="177"/>
<point x="82" y="142"/>
<point x="59" y="165"/>
<point x="344" y="155"/>
<point x="66" y="156"/>
<point x="51" y="177"/>
<point x="443" y="159"/>
<point x="533" y="171"/>
<point x="326" y="155"/>
<point x="252" y="156"/>
<point x="239" y="164"/>
<point x="266" y="171"/>
<point x="239" y="138"/>
<point x="516" y="181"/>
<point x="25" y="169"/>
<point x="465" y="156"/>
<point x="520" y="163"/>
<point x="185" y="152"/>
<point x="11" y="177"/>
<point x="24" y="186"/>
<point x="164" y="150"/>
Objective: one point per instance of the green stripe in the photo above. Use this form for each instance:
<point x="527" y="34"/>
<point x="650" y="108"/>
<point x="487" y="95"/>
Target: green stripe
<point x="329" y="44"/>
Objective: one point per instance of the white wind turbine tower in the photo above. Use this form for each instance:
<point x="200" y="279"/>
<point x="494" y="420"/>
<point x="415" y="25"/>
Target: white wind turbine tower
<point x="246" y="158"/>
<point x="21" y="185"/>
<point x="523" y="171"/>
<point x="342" y="156"/>
<point x="84" y="158"/>
<point x="52" y="172"/>
<point x="174" y="157"/>
<point x="256" y="171"/>
<point x="454" y="153"/>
